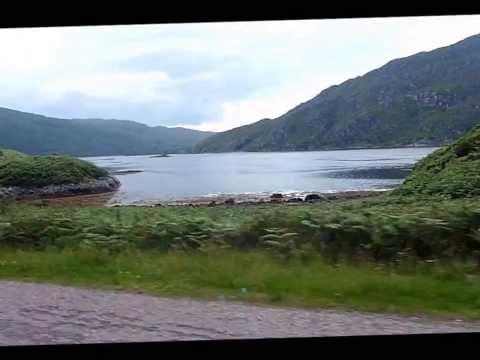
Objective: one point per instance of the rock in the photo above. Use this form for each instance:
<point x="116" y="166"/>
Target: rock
<point x="212" y="203"/>
<point x="230" y="201"/>
<point x="276" y="198"/>
<point x="295" y="200"/>
<point x="315" y="197"/>
<point x="101" y="185"/>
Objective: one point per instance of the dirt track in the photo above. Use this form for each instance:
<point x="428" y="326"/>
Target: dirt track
<point x="48" y="314"/>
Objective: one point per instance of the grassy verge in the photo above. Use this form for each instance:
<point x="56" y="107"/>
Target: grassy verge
<point x="393" y="254"/>
<point x="436" y="289"/>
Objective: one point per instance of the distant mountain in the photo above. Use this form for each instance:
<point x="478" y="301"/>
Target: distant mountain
<point x="430" y="98"/>
<point x="37" y="134"/>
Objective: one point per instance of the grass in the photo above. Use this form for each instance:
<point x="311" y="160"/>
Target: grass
<point x="18" y="169"/>
<point x="387" y="253"/>
<point x="382" y="228"/>
<point x="444" y="290"/>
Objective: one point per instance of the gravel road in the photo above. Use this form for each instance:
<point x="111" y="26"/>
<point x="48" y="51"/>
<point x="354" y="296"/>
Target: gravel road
<point x="49" y="314"/>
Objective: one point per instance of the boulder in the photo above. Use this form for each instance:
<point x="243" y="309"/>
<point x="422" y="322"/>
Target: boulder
<point x="315" y="198"/>
<point x="276" y="196"/>
<point x="295" y="200"/>
<point x="212" y="203"/>
<point x="230" y="201"/>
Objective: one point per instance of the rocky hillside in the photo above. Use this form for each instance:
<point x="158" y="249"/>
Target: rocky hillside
<point x="452" y="172"/>
<point x="36" y="134"/>
<point x="430" y="98"/>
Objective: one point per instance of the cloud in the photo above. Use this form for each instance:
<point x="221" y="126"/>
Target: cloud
<point x="212" y="76"/>
<point x="144" y="86"/>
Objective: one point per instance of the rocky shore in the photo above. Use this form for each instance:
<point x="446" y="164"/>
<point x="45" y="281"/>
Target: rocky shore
<point x="275" y="199"/>
<point x="101" y="185"/>
<point x="259" y="199"/>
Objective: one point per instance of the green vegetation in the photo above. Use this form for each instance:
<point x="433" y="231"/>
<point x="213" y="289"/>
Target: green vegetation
<point x="430" y="288"/>
<point x="430" y="98"/>
<point x="414" y="250"/>
<point x="452" y="172"/>
<point x="41" y="135"/>
<point x="382" y="254"/>
<point x="17" y="169"/>
<point x="378" y="229"/>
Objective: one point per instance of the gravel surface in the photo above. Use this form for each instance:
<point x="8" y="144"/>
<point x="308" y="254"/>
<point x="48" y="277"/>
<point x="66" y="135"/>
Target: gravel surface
<point x="49" y="314"/>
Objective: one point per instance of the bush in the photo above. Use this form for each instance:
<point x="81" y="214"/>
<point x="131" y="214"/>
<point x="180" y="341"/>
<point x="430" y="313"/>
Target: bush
<point x="451" y="172"/>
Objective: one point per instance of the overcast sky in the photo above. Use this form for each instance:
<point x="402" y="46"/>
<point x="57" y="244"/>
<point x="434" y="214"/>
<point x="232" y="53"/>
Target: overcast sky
<point x="212" y="76"/>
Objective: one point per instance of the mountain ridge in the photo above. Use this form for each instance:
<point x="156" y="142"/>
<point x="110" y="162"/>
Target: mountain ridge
<point x="430" y="98"/>
<point x="40" y="135"/>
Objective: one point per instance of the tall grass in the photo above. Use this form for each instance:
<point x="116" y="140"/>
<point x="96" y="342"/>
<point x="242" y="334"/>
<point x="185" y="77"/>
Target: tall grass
<point x="387" y="253"/>
<point x="381" y="229"/>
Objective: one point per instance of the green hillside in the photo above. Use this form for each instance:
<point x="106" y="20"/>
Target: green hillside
<point x="452" y="172"/>
<point x="36" y="134"/>
<point x="430" y="98"/>
<point x="18" y="169"/>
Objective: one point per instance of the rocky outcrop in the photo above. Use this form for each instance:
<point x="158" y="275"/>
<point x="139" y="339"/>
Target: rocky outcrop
<point x="315" y="197"/>
<point x="98" y="186"/>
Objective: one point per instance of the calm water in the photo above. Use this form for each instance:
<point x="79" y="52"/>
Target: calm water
<point x="195" y="175"/>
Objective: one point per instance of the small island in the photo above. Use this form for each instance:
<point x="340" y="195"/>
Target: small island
<point x="160" y="155"/>
<point x="24" y="176"/>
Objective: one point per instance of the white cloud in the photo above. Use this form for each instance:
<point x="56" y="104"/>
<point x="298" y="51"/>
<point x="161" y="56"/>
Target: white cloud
<point x="298" y="58"/>
<point x="132" y="86"/>
<point x="28" y="49"/>
<point x="268" y="105"/>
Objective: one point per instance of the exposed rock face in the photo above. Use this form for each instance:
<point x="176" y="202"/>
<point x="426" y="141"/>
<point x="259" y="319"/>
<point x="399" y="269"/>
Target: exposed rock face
<point x="101" y="185"/>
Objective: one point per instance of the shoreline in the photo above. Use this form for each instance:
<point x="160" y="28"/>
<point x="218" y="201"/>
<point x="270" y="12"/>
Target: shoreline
<point x="411" y="146"/>
<point x="100" y="186"/>
<point x="239" y="200"/>
<point x="270" y="199"/>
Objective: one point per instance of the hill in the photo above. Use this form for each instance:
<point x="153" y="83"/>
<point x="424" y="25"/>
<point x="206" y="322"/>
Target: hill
<point x="451" y="172"/>
<point x="430" y="98"/>
<point x="18" y="169"/>
<point x="37" y="134"/>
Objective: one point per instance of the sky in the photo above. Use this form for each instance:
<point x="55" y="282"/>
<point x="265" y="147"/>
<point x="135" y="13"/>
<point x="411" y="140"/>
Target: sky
<point x="204" y="76"/>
